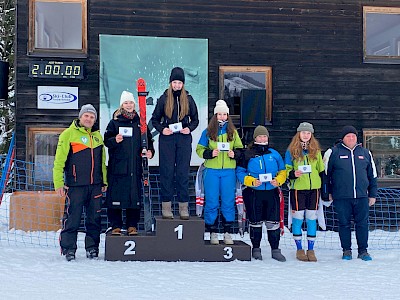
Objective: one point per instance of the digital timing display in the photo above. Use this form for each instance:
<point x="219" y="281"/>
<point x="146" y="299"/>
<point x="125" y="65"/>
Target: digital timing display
<point x="56" y="69"/>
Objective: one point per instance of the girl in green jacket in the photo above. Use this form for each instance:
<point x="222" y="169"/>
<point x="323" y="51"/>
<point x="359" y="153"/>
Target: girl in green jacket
<point x="304" y="167"/>
<point x="218" y="145"/>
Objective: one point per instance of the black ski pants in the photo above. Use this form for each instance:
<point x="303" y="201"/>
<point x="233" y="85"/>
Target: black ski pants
<point x="263" y="206"/>
<point x="115" y="217"/>
<point x="77" y="197"/>
<point x="175" y="151"/>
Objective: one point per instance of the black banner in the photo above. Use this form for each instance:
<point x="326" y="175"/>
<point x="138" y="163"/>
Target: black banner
<point x="3" y="80"/>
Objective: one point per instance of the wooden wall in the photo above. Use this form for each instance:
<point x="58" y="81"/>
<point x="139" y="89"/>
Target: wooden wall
<point x="314" y="48"/>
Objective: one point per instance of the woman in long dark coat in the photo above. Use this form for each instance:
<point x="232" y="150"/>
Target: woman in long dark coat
<point x="122" y="137"/>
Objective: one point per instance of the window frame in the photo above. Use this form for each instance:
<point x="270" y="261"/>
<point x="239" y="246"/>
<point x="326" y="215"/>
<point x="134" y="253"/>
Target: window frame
<point x="380" y="155"/>
<point x="51" y="52"/>
<point x="267" y="70"/>
<point x="31" y="149"/>
<point x="368" y="58"/>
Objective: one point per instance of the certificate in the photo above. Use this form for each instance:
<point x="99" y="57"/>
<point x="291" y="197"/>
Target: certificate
<point x="305" y="168"/>
<point x="176" y="127"/>
<point x="265" y="177"/>
<point x="223" y="146"/>
<point x="126" y="131"/>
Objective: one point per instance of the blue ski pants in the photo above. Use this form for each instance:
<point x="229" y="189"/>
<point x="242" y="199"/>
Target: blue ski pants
<point x="219" y="183"/>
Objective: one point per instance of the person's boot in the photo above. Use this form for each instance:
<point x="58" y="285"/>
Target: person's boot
<point x="256" y="253"/>
<point x="347" y="255"/>
<point x="92" y="253"/>
<point x="116" y="231"/>
<point x="214" y="238"/>
<point x="227" y="236"/>
<point x="364" y="256"/>
<point x="166" y="210"/>
<point x="132" y="231"/>
<point x="311" y="255"/>
<point x="228" y="239"/>
<point x="255" y="236"/>
<point x="277" y="255"/>
<point x="70" y="255"/>
<point x="301" y="255"/>
<point x="184" y="210"/>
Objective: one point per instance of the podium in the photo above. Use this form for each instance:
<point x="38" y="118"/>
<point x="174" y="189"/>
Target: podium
<point x="174" y="240"/>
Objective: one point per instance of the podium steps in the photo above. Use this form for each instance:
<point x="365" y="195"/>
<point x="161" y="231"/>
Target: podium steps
<point x="174" y="240"/>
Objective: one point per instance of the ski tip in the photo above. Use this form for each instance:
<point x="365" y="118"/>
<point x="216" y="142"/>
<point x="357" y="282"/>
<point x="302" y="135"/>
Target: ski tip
<point x="140" y="82"/>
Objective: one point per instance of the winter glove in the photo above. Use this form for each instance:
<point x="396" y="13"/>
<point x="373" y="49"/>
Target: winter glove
<point x="281" y="177"/>
<point x="249" y="180"/>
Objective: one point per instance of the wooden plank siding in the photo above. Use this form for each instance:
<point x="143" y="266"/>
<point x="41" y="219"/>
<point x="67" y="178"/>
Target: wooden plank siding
<point x="315" y="49"/>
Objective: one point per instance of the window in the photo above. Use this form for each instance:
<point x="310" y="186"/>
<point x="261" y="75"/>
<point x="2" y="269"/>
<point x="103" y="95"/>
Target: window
<point x="385" y="148"/>
<point x="57" y="28"/>
<point x="248" y="92"/>
<point x="41" y="151"/>
<point x="381" y="34"/>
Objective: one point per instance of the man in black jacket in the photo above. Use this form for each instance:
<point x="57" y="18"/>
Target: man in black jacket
<point x="352" y="185"/>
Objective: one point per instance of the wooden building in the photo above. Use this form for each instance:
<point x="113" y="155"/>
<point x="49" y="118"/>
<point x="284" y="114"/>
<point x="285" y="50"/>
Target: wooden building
<point x="316" y="55"/>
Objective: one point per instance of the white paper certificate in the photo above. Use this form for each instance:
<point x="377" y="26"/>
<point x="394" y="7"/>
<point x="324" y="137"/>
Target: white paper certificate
<point x="305" y="168"/>
<point x="265" y="177"/>
<point x="176" y="127"/>
<point x="126" y="131"/>
<point x="223" y="146"/>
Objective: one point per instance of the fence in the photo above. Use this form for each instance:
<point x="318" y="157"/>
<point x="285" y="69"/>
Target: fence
<point x="31" y="215"/>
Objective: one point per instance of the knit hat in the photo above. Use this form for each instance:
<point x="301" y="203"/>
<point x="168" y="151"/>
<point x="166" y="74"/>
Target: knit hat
<point x="221" y="107"/>
<point x="260" y="130"/>
<point x="305" y="126"/>
<point x="348" y="129"/>
<point x="88" y="108"/>
<point x="127" y="96"/>
<point x="177" y="74"/>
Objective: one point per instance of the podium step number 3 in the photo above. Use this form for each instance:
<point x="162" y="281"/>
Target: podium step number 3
<point x="175" y="240"/>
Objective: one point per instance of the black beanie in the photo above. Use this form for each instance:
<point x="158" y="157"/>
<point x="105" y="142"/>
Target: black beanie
<point x="348" y="129"/>
<point x="177" y="74"/>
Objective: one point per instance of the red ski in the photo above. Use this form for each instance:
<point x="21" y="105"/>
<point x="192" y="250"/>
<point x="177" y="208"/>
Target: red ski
<point x="142" y="93"/>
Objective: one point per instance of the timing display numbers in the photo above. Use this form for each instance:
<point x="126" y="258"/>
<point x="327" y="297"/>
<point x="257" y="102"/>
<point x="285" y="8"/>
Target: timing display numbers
<point x="56" y="69"/>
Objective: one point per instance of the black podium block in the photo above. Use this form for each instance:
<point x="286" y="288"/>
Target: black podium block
<point x="175" y="240"/>
<point x="127" y="248"/>
<point x="240" y="251"/>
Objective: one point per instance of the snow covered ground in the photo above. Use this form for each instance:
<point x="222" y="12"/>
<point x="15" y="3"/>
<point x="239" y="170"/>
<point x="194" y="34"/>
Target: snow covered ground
<point x="41" y="273"/>
<point x="31" y="268"/>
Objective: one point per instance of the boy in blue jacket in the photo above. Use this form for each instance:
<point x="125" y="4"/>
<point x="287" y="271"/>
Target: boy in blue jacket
<point x="262" y="171"/>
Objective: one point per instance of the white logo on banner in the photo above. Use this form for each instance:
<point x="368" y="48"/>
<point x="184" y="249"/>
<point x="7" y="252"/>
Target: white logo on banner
<point x="57" y="97"/>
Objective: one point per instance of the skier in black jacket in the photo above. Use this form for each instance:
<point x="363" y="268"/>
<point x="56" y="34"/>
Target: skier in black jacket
<point x="122" y="137"/>
<point x="175" y="117"/>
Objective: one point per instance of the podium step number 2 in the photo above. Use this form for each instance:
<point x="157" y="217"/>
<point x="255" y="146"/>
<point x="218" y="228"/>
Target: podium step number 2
<point x="175" y="240"/>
